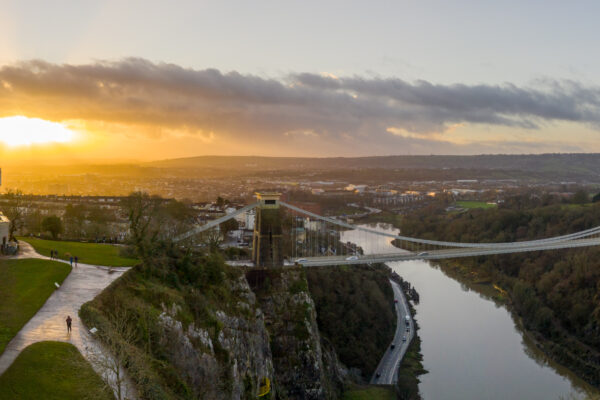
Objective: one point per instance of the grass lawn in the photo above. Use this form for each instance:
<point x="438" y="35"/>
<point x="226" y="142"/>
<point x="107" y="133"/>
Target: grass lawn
<point x="52" y="370"/>
<point x="474" y="204"/>
<point x="370" y="393"/>
<point x="88" y="253"/>
<point x="567" y="206"/>
<point x="24" y="287"/>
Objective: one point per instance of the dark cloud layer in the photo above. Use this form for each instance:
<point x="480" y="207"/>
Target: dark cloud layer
<point x="138" y="92"/>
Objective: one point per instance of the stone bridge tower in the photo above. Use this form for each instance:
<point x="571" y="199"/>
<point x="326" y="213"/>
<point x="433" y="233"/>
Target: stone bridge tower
<point x="267" y="238"/>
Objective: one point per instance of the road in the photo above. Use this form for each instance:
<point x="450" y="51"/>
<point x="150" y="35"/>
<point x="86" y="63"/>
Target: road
<point x="390" y="362"/>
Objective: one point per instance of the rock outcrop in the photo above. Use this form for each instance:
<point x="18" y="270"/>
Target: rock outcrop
<point x="303" y="368"/>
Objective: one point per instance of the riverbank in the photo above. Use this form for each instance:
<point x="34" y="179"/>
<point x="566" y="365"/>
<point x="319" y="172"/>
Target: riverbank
<point x="468" y="340"/>
<point x="494" y="287"/>
<point x="411" y="366"/>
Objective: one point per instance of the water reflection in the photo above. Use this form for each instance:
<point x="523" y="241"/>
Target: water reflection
<point x="471" y="345"/>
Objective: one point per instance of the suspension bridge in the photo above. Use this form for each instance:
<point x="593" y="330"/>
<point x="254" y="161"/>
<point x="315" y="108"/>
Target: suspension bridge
<point x="286" y="234"/>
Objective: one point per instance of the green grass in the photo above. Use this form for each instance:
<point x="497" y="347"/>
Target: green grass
<point x="571" y="206"/>
<point x="24" y="287"/>
<point x="370" y="393"/>
<point x="52" y="371"/>
<point x="474" y="204"/>
<point x="88" y="253"/>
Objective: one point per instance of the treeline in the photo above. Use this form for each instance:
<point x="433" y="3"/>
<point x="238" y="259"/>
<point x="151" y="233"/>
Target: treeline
<point x="355" y="312"/>
<point x="85" y="221"/>
<point x="556" y="293"/>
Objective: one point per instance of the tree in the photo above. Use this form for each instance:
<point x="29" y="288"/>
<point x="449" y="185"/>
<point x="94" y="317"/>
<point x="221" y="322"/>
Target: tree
<point x="74" y="219"/>
<point x="33" y="221"/>
<point x="580" y="197"/>
<point x="228" y="226"/>
<point x="143" y="214"/>
<point x="52" y="224"/>
<point x="119" y="333"/>
<point x="212" y="239"/>
<point x="15" y="208"/>
<point x="596" y="198"/>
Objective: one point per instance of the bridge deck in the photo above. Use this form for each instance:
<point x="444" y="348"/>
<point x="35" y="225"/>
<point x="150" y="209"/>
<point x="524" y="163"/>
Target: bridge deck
<point x="441" y="254"/>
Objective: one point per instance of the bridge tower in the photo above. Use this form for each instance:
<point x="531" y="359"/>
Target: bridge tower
<point x="267" y="238"/>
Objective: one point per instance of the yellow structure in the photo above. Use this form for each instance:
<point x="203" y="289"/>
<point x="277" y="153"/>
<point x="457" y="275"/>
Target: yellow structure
<point x="265" y="387"/>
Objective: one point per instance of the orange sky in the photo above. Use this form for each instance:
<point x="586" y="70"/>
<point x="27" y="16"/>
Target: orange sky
<point x="136" y="110"/>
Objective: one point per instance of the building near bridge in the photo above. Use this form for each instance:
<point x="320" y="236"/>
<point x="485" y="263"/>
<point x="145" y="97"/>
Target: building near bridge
<point x="4" y="230"/>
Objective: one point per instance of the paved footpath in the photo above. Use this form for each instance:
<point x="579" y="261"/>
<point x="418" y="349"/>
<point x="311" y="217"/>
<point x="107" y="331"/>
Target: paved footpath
<point x="83" y="284"/>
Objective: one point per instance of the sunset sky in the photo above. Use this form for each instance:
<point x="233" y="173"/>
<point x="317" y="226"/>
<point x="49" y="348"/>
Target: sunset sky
<point x="143" y="80"/>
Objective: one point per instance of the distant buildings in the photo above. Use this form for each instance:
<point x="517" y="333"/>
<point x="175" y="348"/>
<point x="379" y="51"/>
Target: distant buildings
<point x="246" y="220"/>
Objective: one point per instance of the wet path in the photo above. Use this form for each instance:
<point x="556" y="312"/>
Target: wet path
<point x="83" y="284"/>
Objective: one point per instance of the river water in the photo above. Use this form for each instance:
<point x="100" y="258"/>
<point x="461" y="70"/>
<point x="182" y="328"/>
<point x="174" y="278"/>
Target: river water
<point x="471" y="346"/>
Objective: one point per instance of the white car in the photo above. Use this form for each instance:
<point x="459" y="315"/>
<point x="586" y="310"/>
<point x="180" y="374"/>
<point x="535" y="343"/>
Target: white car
<point x="301" y="260"/>
<point x="423" y="253"/>
<point x="351" y="258"/>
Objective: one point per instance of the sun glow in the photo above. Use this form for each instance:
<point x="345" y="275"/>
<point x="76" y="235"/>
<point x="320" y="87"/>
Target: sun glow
<point x="23" y="131"/>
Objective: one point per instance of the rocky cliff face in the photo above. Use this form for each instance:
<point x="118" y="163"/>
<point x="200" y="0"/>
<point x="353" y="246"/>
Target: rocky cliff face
<point x="304" y="369"/>
<point x="220" y="340"/>
<point x="226" y="362"/>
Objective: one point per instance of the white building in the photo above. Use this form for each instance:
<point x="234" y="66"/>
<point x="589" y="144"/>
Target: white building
<point x="246" y="220"/>
<point x="4" y="229"/>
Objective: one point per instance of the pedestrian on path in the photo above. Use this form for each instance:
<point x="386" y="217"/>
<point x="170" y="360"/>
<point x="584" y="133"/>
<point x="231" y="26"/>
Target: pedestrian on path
<point x="71" y="259"/>
<point x="69" y="320"/>
<point x="51" y="253"/>
<point x="76" y="261"/>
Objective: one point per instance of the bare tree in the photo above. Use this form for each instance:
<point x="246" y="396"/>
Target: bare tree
<point x="144" y="222"/>
<point x="212" y="239"/>
<point x="15" y="208"/>
<point x="109" y="357"/>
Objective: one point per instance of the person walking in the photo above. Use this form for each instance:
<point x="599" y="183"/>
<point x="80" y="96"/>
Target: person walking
<point x="69" y="321"/>
<point x="71" y="260"/>
<point x="52" y="254"/>
<point x="76" y="261"/>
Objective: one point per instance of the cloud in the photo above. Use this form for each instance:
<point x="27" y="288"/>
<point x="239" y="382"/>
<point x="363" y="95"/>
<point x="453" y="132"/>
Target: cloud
<point x="165" y="98"/>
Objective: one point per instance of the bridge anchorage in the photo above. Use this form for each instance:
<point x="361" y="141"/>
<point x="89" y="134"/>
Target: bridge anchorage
<point x="285" y="234"/>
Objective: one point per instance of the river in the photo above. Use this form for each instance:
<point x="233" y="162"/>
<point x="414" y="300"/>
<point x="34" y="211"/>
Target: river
<point x="472" y="347"/>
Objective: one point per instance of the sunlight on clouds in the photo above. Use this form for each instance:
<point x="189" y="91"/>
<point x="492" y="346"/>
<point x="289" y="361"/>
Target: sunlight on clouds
<point x="23" y="131"/>
<point x="301" y="132"/>
<point x="401" y="132"/>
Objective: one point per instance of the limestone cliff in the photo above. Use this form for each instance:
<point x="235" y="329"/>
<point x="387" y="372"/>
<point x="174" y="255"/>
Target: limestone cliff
<point x="304" y="369"/>
<point x="182" y="338"/>
<point x="229" y="364"/>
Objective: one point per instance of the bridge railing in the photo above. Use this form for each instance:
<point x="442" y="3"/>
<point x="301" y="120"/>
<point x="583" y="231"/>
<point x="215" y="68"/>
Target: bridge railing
<point x="575" y="235"/>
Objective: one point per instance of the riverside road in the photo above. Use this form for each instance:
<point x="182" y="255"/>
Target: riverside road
<point x="390" y="362"/>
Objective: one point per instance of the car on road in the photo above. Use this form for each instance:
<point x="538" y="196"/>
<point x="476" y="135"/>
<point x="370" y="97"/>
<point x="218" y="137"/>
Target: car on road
<point x="392" y="347"/>
<point x="301" y="260"/>
<point x="408" y="329"/>
<point x="404" y="338"/>
<point x="377" y="375"/>
<point x="351" y="258"/>
<point x="423" y="253"/>
<point x="395" y="300"/>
